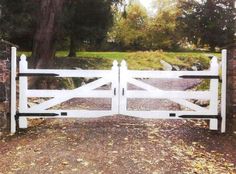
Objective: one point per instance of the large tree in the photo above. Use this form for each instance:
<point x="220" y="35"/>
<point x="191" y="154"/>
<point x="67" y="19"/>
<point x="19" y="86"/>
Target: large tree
<point x="35" y="24"/>
<point x="87" y="21"/>
<point x="130" y="29"/>
<point x="163" y="32"/>
<point x="210" y="22"/>
<point x="18" y="21"/>
<point x="45" y="36"/>
<point x="32" y="24"/>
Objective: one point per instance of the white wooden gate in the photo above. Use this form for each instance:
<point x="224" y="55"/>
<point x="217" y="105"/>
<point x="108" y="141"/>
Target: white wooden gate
<point x="118" y="78"/>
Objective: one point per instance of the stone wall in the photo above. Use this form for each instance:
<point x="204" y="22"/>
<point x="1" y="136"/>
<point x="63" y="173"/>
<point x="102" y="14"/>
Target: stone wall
<point x="231" y="88"/>
<point x="4" y="85"/>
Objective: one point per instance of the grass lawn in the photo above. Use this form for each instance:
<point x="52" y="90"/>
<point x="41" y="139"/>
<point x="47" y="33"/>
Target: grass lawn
<point x="142" y="60"/>
<point x="135" y="60"/>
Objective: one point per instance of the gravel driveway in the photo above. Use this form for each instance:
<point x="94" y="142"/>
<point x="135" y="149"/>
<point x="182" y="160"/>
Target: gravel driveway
<point x="120" y="145"/>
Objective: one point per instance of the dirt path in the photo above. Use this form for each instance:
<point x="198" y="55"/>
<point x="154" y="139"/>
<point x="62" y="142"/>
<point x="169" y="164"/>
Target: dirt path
<point x="118" y="144"/>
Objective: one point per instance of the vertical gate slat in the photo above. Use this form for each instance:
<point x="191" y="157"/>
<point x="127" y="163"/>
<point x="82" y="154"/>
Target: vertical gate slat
<point x="23" y="87"/>
<point x="223" y="91"/>
<point x="214" y="85"/>
<point x="13" y="89"/>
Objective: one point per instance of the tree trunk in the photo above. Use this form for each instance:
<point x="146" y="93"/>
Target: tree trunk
<point x="72" y="51"/>
<point x="45" y="36"/>
<point x="212" y="48"/>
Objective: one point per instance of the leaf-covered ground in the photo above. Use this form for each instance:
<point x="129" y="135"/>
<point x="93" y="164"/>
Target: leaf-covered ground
<point x="119" y="145"/>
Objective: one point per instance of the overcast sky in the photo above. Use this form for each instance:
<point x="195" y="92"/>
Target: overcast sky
<point x="146" y="3"/>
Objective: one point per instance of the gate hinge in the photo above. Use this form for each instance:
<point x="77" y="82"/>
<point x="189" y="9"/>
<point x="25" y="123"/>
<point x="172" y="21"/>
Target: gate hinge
<point x="199" y="77"/>
<point x="114" y="91"/>
<point x="35" y="115"/>
<point x="201" y="116"/>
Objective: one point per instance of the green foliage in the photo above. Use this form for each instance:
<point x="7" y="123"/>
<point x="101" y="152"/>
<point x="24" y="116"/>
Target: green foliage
<point x="151" y="59"/>
<point x="129" y="31"/>
<point x="136" y="60"/>
<point x="138" y="31"/>
<point x="163" y="32"/>
<point x="163" y="5"/>
<point x="87" y="21"/>
<point x="18" y="21"/>
<point x="209" y="22"/>
<point x="83" y="20"/>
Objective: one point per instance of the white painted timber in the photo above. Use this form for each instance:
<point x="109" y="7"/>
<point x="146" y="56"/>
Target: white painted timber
<point x="71" y="73"/>
<point x="13" y="89"/>
<point x="214" y="85"/>
<point x="148" y="91"/>
<point x="203" y="95"/>
<point x="118" y="79"/>
<point x="89" y="90"/>
<point x="160" y="114"/>
<point x="115" y="88"/>
<point x="167" y="74"/>
<point x="23" y="88"/>
<point x="223" y="90"/>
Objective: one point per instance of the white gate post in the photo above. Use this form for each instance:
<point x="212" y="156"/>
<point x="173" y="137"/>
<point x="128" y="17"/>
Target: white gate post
<point x="214" y="84"/>
<point x="223" y="90"/>
<point x="123" y="87"/>
<point x="115" y="87"/>
<point x="13" y="89"/>
<point x="23" y="87"/>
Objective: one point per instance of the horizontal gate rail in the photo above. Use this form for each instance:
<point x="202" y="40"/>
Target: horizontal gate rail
<point x="68" y="114"/>
<point x="81" y="94"/>
<point x="68" y="73"/>
<point x="203" y="95"/>
<point x="172" y="74"/>
<point x="160" y="114"/>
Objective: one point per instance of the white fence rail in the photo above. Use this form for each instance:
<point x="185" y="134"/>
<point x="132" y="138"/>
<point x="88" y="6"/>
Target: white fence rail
<point x="119" y="93"/>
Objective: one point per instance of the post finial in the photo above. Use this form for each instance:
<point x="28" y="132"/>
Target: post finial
<point x="115" y="63"/>
<point x="23" y="57"/>
<point x="123" y="63"/>
<point x="214" y="60"/>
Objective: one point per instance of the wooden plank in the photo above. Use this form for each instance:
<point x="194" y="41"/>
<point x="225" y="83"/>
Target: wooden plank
<point x="23" y="88"/>
<point x="223" y="90"/>
<point x="203" y="95"/>
<point x="142" y="85"/>
<point x="160" y="114"/>
<point x="71" y="73"/>
<point x="115" y="87"/>
<point x="81" y="94"/>
<point x="75" y="114"/>
<point x="124" y="73"/>
<point x="167" y="74"/>
<point x="214" y="84"/>
<point x="13" y="89"/>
